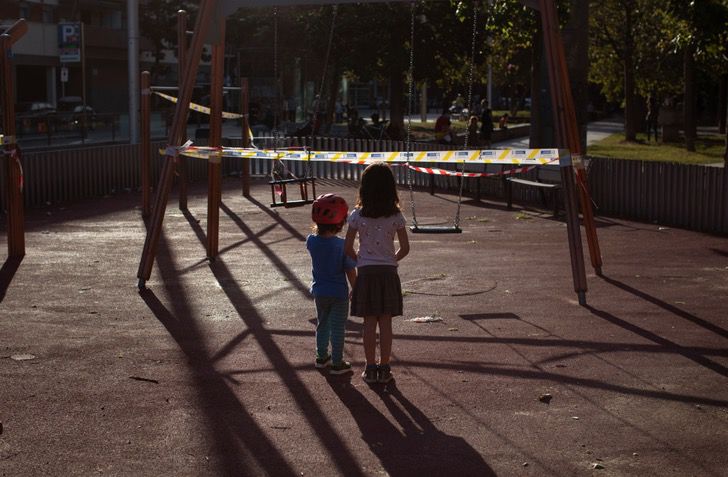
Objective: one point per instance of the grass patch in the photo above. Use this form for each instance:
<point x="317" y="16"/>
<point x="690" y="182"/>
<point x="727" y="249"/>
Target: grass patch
<point x="708" y="149"/>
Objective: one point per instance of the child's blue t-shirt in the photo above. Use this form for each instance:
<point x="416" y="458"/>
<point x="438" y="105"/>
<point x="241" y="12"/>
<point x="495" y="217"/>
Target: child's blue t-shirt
<point x="329" y="265"/>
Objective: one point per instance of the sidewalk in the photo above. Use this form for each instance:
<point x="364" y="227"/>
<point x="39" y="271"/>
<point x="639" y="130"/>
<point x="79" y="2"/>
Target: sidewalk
<point x="210" y="371"/>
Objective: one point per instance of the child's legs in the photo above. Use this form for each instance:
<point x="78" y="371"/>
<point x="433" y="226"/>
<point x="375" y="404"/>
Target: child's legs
<point x="370" y="339"/>
<point x="323" y="325"/>
<point x="385" y="338"/>
<point x="337" y="318"/>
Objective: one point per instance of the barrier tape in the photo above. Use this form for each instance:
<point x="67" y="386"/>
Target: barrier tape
<point x="533" y="157"/>
<point x="6" y="140"/>
<point x="21" y="177"/>
<point x="198" y="107"/>
<point x="445" y="172"/>
<point x="176" y="151"/>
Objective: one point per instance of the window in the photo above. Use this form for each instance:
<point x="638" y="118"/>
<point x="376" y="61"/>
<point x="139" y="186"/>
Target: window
<point x="48" y="15"/>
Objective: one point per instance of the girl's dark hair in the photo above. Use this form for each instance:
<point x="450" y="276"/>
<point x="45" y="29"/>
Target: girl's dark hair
<point x="319" y="229"/>
<point x="378" y="192"/>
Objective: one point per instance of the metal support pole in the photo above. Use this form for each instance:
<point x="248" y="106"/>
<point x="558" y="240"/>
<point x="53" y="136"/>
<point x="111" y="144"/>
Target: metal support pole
<point x="578" y="272"/>
<point x="132" y="13"/>
<point x="244" y="108"/>
<point x="146" y="142"/>
<point x="181" y="58"/>
<point x="214" y="166"/>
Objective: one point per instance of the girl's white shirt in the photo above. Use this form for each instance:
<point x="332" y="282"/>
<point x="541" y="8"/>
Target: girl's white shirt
<point x="376" y="238"/>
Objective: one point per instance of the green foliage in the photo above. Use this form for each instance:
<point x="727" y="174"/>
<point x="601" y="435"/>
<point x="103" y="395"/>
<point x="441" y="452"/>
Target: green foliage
<point x="709" y="150"/>
<point x="158" y="25"/>
<point x="655" y="32"/>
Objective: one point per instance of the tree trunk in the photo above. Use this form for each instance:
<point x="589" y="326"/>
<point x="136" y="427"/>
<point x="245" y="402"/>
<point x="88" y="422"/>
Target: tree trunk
<point x="576" y="43"/>
<point x="396" y="95"/>
<point x="689" y="122"/>
<point x="630" y="114"/>
<point x="331" y="96"/>
<point x="722" y="103"/>
<point x="399" y="62"/>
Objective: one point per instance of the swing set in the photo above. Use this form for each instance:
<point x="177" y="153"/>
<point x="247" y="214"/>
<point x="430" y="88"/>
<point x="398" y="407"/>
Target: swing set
<point x="9" y="151"/>
<point x="210" y="28"/>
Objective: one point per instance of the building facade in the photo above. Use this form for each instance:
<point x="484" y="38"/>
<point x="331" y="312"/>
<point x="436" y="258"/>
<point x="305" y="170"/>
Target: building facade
<point x="41" y="75"/>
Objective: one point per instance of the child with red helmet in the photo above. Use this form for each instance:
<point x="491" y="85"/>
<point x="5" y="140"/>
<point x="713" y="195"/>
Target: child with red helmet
<point x="331" y="270"/>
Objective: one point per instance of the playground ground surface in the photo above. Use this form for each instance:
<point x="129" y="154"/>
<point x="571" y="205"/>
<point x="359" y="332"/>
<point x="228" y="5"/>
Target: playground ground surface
<point x="210" y="370"/>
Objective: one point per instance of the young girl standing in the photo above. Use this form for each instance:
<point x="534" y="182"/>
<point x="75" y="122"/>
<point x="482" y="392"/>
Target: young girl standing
<point x="377" y="295"/>
<point x="331" y="269"/>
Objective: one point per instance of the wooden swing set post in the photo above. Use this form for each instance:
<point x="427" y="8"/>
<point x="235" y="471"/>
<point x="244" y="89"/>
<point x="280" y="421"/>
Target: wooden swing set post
<point x="567" y="136"/>
<point x="146" y="142"/>
<point x="181" y="57"/>
<point x="11" y="156"/>
<point x="245" y="122"/>
<point x="571" y="132"/>
<point x="176" y="136"/>
<point x="214" y="164"/>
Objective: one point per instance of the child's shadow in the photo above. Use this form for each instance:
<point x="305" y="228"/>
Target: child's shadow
<point x="418" y="448"/>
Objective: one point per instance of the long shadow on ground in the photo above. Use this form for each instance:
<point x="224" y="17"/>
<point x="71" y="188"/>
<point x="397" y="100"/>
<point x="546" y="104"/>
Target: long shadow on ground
<point x="667" y="307"/>
<point x="239" y="441"/>
<point x="7" y="272"/>
<point x="419" y="447"/>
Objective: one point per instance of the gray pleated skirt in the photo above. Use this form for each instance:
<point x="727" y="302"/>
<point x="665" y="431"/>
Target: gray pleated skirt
<point x="378" y="291"/>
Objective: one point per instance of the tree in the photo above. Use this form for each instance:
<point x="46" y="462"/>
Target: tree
<point x="699" y="31"/>
<point x="628" y="42"/>
<point x="158" y="24"/>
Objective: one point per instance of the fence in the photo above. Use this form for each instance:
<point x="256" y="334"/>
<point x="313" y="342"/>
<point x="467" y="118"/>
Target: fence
<point x="685" y="196"/>
<point x="678" y="195"/>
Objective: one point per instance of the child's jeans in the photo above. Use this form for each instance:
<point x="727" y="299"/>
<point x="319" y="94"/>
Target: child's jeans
<point x="332" y="314"/>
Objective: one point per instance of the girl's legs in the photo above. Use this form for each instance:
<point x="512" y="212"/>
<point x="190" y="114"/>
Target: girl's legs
<point x="369" y="336"/>
<point x="385" y="338"/>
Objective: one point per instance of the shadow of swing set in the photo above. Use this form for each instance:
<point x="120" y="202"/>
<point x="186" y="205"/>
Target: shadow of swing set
<point x="210" y="28"/>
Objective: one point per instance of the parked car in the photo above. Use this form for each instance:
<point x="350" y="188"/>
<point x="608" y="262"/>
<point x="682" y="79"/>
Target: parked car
<point x="34" y="116"/>
<point x="71" y="112"/>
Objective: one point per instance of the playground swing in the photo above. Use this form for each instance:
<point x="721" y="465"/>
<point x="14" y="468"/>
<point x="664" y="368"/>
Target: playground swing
<point x="281" y="176"/>
<point x="455" y="227"/>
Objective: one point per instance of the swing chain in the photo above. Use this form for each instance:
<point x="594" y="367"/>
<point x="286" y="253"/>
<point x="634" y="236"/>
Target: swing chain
<point x="470" y="107"/>
<point x="408" y="147"/>
<point x="318" y="98"/>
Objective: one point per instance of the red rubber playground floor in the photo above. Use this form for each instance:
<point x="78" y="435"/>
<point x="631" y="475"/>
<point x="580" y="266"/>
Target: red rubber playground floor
<point x="210" y="370"/>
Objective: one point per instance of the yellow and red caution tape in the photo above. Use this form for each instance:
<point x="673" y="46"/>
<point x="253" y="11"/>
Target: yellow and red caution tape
<point x="198" y="107"/>
<point x="533" y="157"/>
<point x="445" y="172"/>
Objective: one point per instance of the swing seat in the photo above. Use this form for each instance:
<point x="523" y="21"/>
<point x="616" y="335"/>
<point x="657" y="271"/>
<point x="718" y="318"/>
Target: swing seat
<point x="435" y="229"/>
<point x="284" y="202"/>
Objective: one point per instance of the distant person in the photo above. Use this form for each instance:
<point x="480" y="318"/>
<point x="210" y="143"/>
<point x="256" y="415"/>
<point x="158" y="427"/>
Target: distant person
<point x="503" y="121"/>
<point x="377" y="295"/>
<point x="291" y="109"/>
<point x="443" y="128"/>
<point x="375" y="120"/>
<point x="486" y="124"/>
<point x="653" y="110"/>
<point x="352" y="120"/>
<point x="331" y="270"/>
<point x="339" y="111"/>
<point x="473" y="140"/>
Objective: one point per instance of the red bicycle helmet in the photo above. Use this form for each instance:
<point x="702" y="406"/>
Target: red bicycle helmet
<point x="329" y="209"/>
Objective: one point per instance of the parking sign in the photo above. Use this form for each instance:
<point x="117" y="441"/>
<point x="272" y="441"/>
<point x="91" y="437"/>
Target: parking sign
<point x="69" y="42"/>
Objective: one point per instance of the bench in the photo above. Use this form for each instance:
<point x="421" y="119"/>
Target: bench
<point x="303" y="185"/>
<point x="544" y="178"/>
